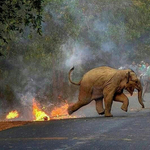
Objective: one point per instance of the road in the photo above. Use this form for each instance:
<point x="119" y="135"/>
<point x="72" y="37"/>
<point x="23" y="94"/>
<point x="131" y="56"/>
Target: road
<point x="124" y="131"/>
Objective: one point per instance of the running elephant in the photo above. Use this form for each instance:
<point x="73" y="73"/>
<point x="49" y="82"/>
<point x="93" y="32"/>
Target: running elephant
<point x="108" y="84"/>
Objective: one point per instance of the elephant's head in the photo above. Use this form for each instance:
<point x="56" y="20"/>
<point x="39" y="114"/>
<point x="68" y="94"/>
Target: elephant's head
<point x="134" y="83"/>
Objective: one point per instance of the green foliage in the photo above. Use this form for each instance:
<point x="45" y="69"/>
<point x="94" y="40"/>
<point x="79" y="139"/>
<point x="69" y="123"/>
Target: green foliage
<point x="16" y="14"/>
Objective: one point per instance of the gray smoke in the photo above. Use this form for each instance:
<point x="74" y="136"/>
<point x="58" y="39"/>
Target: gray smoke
<point x="93" y="47"/>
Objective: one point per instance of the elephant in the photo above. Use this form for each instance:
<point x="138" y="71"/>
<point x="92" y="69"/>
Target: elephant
<point x="106" y="83"/>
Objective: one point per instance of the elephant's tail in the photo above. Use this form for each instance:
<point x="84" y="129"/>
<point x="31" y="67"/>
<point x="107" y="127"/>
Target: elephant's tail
<point x="70" y="77"/>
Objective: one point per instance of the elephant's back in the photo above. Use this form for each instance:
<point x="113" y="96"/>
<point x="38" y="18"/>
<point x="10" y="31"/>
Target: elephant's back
<point x="100" y="72"/>
<point x="97" y="76"/>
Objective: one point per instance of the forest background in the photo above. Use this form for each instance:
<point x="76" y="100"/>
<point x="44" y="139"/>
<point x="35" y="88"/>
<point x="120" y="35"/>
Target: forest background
<point x="40" y="40"/>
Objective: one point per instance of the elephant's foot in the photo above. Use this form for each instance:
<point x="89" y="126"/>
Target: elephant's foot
<point x="70" y="110"/>
<point x="102" y="113"/>
<point x="124" y="108"/>
<point x="108" y="114"/>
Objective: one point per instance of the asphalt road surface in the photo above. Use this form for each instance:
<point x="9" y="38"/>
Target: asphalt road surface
<point x="124" y="131"/>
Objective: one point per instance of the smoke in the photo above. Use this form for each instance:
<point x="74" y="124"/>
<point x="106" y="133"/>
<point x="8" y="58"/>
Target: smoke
<point x="91" y="44"/>
<point x="96" y="42"/>
<point x="76" y="55"/>
<point x="20" y="83"/>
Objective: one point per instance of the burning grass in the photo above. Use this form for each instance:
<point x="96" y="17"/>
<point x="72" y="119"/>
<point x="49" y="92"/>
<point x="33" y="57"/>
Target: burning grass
<point x="13" y="114"/>
<point x="40" y="115"/>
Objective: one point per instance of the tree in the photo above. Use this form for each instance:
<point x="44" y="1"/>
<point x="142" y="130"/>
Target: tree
<point x="16" y="14"/>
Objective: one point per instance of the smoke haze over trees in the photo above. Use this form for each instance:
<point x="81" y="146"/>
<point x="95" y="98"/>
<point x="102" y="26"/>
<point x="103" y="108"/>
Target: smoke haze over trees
<point x="80" y="33"/>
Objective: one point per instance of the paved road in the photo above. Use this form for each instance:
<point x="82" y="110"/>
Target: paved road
<point x="124" y="131"/>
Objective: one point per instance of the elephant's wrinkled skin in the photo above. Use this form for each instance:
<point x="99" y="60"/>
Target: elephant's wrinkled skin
<point x="108" y="84"/>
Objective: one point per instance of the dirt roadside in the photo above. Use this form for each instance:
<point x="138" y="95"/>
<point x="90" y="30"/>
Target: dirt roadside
<point x="10" y="124"/>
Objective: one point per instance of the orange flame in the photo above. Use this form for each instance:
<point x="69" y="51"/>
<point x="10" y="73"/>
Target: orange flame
<point x="61" y="112"/>
<point x="13" y="114"/>
<point x="38" y="113"/>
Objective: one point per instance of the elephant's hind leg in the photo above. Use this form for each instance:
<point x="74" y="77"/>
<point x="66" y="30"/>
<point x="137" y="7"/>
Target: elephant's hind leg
<point x="97" y="95"/>
<point x="99" y="107"/>
<point x="76" y="106"/>
<point x="84" y="99"/>
<point x="124" y="99"/>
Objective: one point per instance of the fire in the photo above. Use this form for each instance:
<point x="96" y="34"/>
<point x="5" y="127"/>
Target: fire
<point x="38" y="113"/>
<point x="61" y="112"/>
<point x="13" y="114"/>
<point x="56" y="113"/>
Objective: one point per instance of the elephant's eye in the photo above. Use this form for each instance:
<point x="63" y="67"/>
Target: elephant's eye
<point x="136" y="81"/>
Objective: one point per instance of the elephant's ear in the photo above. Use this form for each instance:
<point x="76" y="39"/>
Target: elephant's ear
<point x="128" y="76"/>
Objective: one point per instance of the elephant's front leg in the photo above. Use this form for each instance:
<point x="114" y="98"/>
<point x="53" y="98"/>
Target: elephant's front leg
<point x="108" y="99"/>
<point x="124" y="99"/>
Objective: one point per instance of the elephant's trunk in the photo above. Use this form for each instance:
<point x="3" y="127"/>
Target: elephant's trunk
<point x="140" y="98"/>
